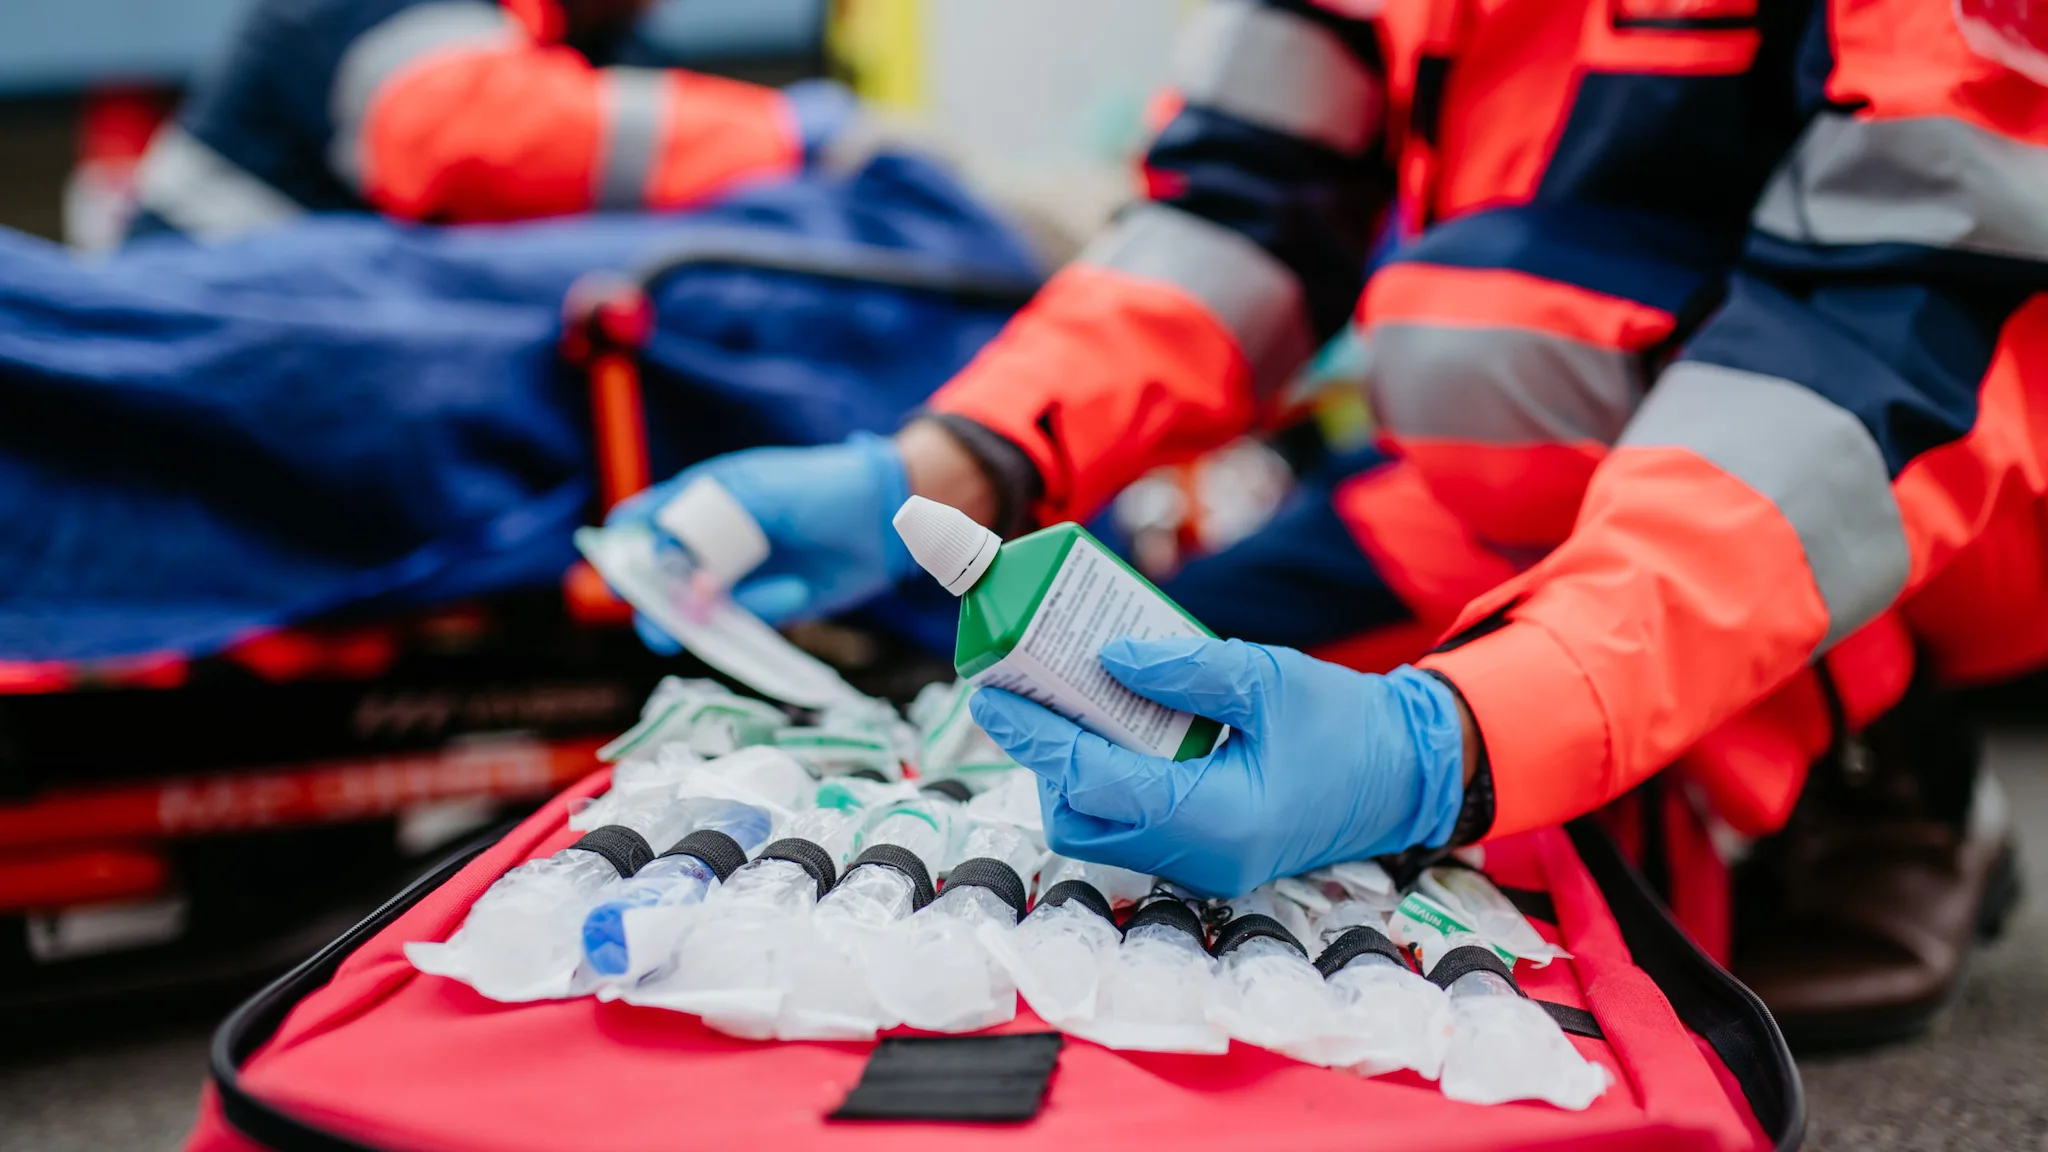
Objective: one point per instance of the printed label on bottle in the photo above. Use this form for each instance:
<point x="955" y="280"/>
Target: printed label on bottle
<point x="1093" y="600"/>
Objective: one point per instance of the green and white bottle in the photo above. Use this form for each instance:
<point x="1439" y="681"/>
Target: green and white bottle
<point x="1035" y="613"/>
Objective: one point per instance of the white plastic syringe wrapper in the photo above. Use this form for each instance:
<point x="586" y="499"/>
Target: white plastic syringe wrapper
<point x="722" y="537"/>
<point x="946" y="542"/>
<point x="1429" y="927"/>
<point x="718" y="631"/>
<point x="1473" y="899"/>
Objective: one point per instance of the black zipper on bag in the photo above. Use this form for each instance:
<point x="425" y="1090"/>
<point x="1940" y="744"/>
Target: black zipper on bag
<point x="1706" y="996"/>
<point x="256" y="1020"/>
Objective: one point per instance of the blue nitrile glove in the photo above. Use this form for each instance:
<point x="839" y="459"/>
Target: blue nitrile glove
<point x="1325" y="764"/>
<point x="825" y="511"/>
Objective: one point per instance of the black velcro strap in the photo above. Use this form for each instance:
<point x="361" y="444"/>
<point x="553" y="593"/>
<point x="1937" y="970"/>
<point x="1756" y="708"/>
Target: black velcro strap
<point x="903" y="860"/>
<point x="1363" y="940"/>
<point x="806" y="855"/>
<point x="1467" y="958"/>
<point x="994" y="875"/>
<point x="989" y="1079"/>
<point x="1080" y="892"/>
<point x="721" y="853"/>
<point x="1244" y="929"/>
<point x="949" y="788"/>
<point x="1531" y="902"/>
<point x="625" y="849"/>
<point x="1576" y="1021"/>
<point x="1170" y="912"/>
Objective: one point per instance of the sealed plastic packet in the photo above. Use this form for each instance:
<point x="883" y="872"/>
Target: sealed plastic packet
<point x="932" y="971"/>
<point x="1432" y="929"/>
<point x="1267" y="992"/>
<point x="714" y="628"/>
<point x="1009" y="797"/>
<point x="825" y="993"/>
<point x="1153" y="993"/>
<point x="730" y="964"/>
<point x="1472" y="898"/>
<point x="754" y="775"/>
<point x="701" y="715"/>
<point x="833" y="751"/>
<point x="1503" y="1046"/>
<point x="1388" y="1017"/>
<point x="520" y="940"/>
<point x="951" y="743"/>
<point x="1056" y="956"/>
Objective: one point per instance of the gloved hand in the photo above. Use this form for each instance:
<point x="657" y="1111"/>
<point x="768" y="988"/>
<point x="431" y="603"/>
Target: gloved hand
<point x="1325" y="764"/>
<point x="825" y="511"/>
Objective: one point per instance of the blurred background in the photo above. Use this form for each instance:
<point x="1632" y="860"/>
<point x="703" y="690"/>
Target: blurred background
<point x="82" y="82"/>
<point x="213" y="863"/>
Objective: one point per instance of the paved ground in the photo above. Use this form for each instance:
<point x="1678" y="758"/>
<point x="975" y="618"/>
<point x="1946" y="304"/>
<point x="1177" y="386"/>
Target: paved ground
<point x="1979" y="1082"/>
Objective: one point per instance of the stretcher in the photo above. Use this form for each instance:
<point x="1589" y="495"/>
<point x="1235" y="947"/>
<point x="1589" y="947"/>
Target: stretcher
<point x="122" y="781"/>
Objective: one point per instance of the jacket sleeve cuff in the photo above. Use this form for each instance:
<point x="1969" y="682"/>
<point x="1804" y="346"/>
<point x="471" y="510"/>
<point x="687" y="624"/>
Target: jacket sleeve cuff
<point x="1475" y="813"/>
<point x="1541" y="723"/>
<point x="1009" y="469"/>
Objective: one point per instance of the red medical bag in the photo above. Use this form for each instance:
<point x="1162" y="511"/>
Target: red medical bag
<point x="356" y="1050"/>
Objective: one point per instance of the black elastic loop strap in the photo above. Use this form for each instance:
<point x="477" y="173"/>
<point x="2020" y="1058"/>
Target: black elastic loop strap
<point x="868" y="774"/>
<point x="903" y="860"/>
<point x="623" y="848"/>
<point x="1169" y="912"/>
<point x="1363" y="940"/>
<point x="1242" y="930"/>
<point x="1576" y="1021"/>
<point x="994" y="875"/>
<point x="806" y="855"/>
<point x="721" y="853"/>
<point x="949" y="788"/>
<point x="1083" y="893"/>
<point x="1466" y="959"/>
<point x="1714" y="1004"/>
<point x="990" y="1079"/>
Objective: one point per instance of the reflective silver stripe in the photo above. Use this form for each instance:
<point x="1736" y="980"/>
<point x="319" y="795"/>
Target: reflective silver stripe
<point x="1279" y="71"/>
<point x="379" y="54"/>
<point x="1933" y="181"/>
<point x="636" y="106"/>
<point x="1803" y="453"/>
<point x="1253" y="294"/>
<point x="204" y="194"/>
<point x="1500" y="385"/>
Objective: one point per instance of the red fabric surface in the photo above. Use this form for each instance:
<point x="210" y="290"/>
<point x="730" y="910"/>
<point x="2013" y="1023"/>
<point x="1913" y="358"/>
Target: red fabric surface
<point x="394" y="1059"/>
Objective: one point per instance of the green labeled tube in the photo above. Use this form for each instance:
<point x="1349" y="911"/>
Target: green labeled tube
<point x="1035" y="613"/>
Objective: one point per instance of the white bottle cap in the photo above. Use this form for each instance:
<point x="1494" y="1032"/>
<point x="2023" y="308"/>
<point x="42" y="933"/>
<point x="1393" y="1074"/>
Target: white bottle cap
<point x="717" y="530"/>
<point x="946" y="542"/>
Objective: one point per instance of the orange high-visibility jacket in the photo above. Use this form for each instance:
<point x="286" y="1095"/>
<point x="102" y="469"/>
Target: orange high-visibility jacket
<point x="449" y="110"/>
<point x="1720" y="346"/>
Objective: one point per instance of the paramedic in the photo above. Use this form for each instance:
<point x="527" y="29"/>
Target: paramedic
<point x="460" y="110"/>
<point x="1706" y="386"/>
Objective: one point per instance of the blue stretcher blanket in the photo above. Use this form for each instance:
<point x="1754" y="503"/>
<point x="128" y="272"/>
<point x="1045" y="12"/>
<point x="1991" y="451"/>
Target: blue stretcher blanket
<point x="201" y="442"/>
